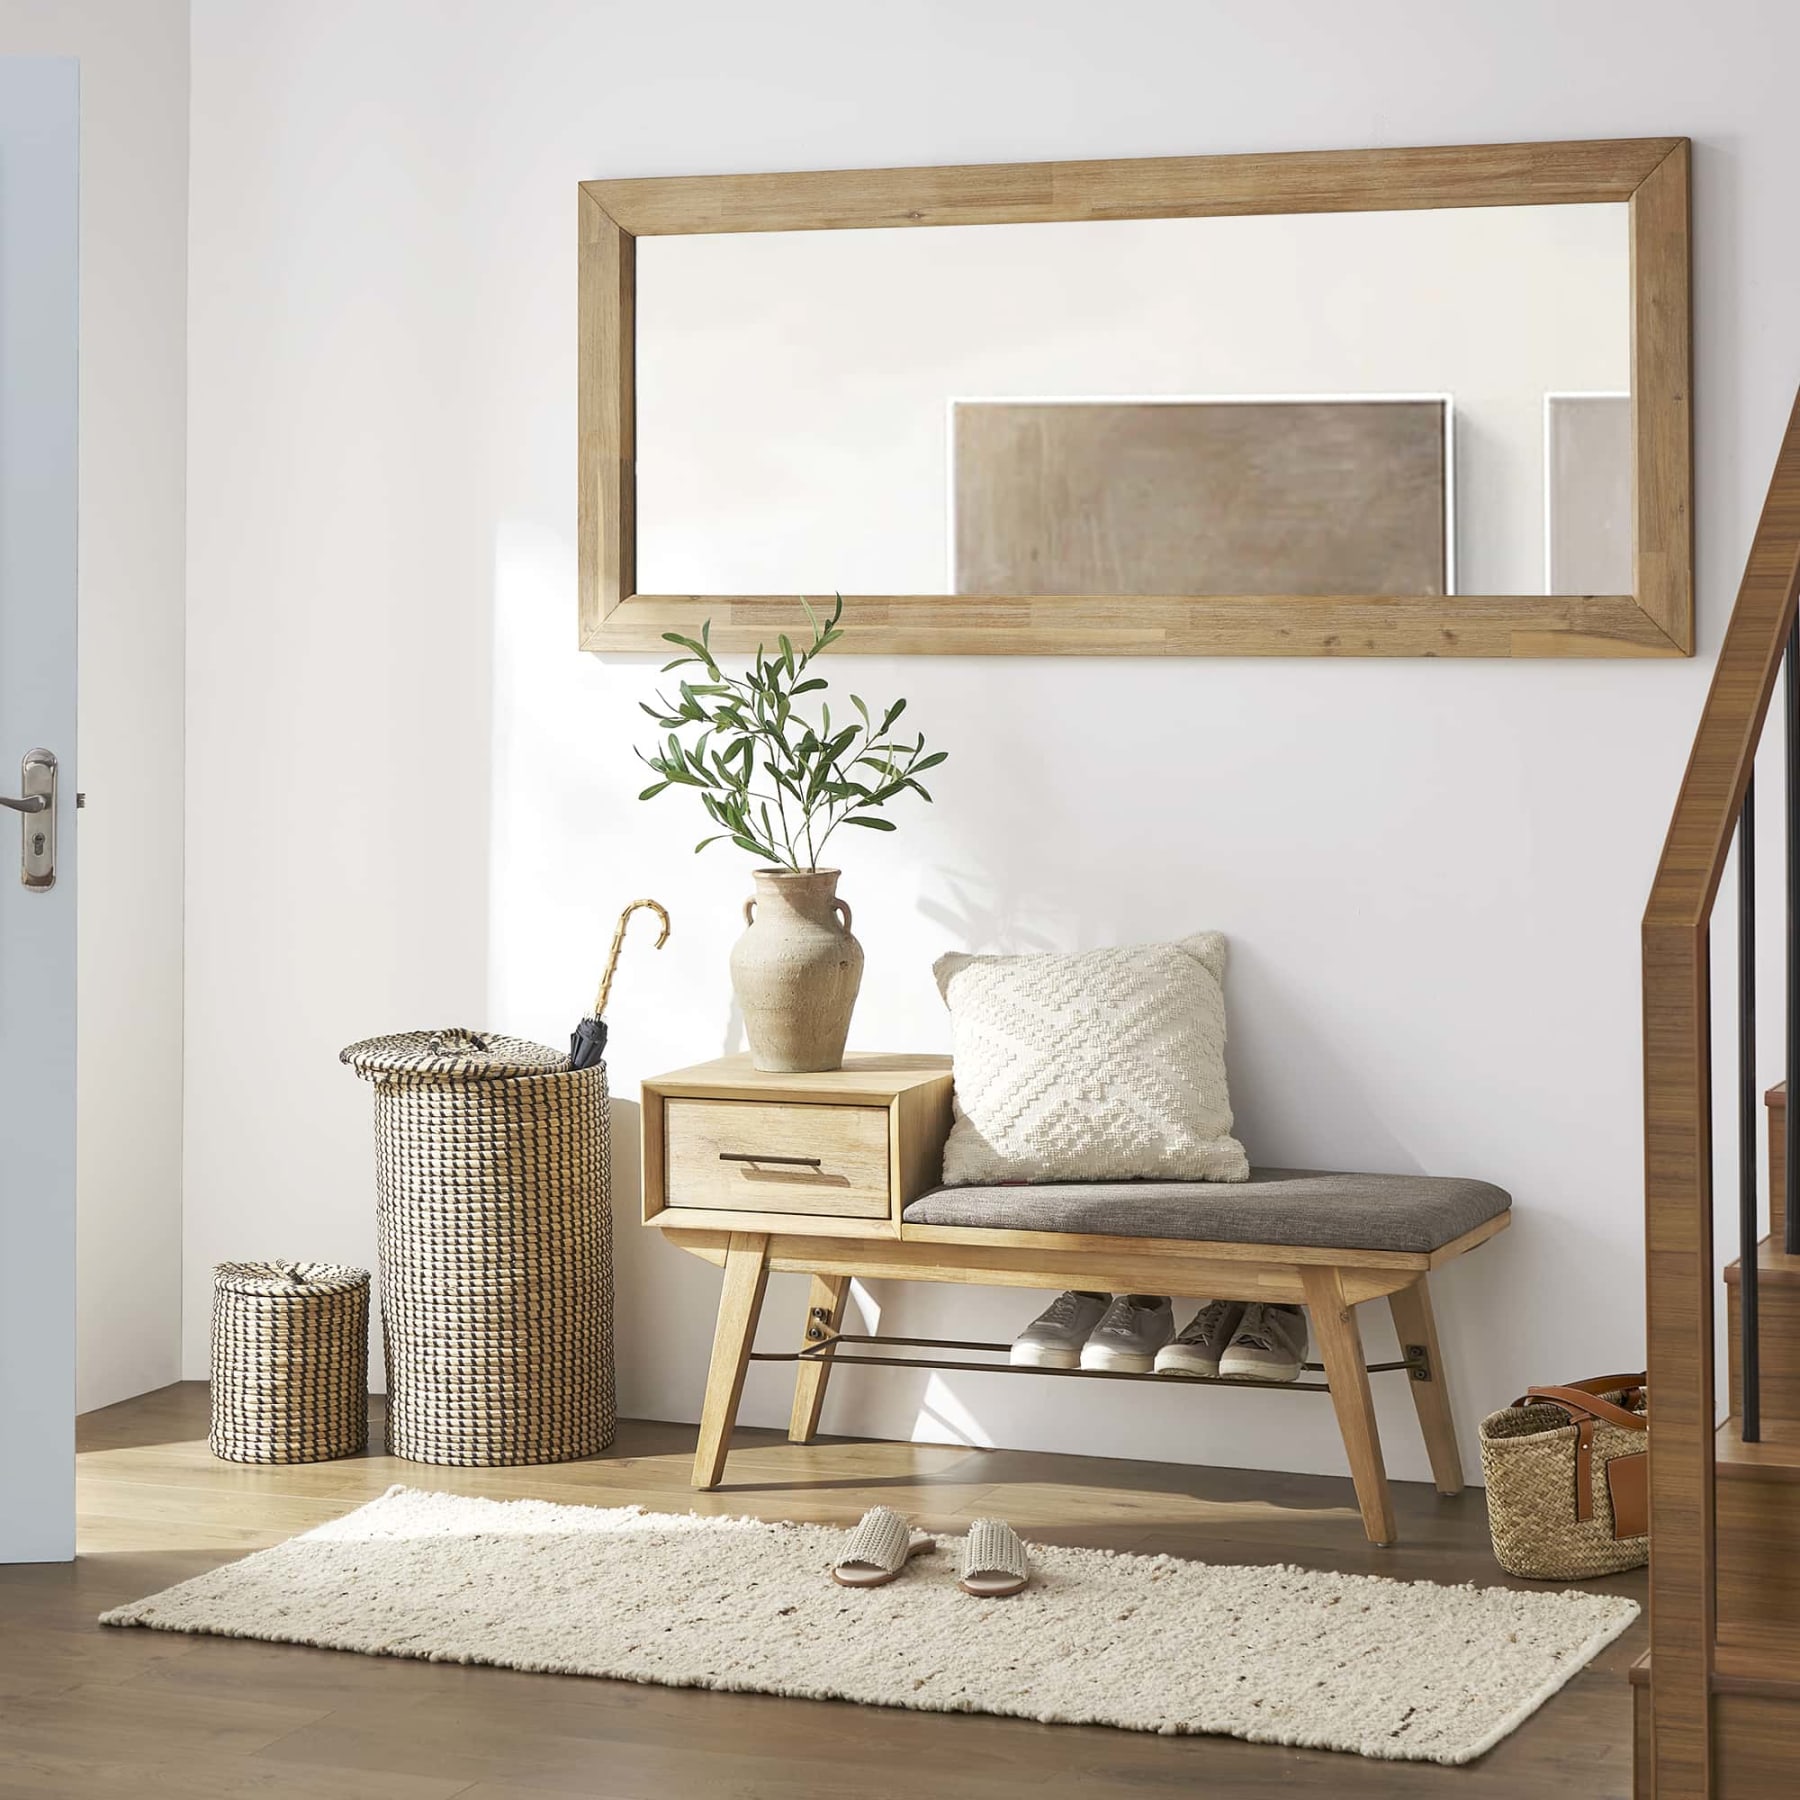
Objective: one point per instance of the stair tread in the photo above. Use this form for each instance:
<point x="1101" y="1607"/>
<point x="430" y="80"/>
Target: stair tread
<point x="1773" y="1265"/>
<point x="1765" y="1661"/>
<point x="1777" y="1095"/>
<point x="1762" y="1666"/>
<point x="1774" y="1649"/>
<point x="1774" y="1457"/>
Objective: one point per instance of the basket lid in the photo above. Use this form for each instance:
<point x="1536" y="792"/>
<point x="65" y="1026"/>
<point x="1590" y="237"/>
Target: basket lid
<point x="288" y="1278"/>
<point x="455" y="1054"/>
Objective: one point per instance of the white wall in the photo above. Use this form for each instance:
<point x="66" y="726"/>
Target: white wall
<point x="134" y="89"/>
<point x="413" y="800"/>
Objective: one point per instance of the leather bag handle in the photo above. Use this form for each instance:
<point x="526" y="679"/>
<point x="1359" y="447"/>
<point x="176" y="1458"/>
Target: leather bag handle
<point x="1583" y="1399"/>
<point x="1586" y="1405"/>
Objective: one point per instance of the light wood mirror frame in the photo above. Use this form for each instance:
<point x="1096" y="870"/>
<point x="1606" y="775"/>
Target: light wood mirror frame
<point x="1649" y="174"/>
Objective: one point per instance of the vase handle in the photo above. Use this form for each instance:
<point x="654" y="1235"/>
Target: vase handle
<point x="843" y="906"/>
<point x="750" y="910"/>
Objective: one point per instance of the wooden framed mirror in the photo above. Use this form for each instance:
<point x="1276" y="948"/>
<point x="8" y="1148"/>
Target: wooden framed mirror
<point x="1420" y="402"/>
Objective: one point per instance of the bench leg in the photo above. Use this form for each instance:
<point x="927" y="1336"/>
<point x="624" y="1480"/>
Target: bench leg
<point x="1414" y="1324"/>
<point x="740" y="1300"/>
<point x="1346" y="1370"/>
<point x="826" y="1296"/>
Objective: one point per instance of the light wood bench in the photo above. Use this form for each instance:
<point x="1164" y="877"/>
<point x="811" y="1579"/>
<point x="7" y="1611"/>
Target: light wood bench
<point x="834" y="1176"/>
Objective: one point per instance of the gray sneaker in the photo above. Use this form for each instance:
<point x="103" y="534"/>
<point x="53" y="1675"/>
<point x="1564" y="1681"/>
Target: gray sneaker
<point x="1269" y="1345"/>
<point x="1054" y="1338"/>
<point x="1201" y="1341"/>
<point x="1136" y="1326"/>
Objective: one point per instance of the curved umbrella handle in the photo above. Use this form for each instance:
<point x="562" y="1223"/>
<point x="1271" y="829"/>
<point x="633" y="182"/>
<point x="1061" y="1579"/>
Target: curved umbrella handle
<point x="612" y="960"/>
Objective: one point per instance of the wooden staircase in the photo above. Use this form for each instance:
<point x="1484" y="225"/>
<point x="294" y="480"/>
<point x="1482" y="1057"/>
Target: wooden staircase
<point x="1756" y="1524"/>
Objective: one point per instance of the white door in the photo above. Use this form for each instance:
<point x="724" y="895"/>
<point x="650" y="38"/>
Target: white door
<point x="39" y="170"/>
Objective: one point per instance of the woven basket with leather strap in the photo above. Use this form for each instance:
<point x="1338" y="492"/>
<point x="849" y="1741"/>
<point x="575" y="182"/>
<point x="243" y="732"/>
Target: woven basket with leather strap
<point x="1566" y="1479"/>
<point x="494" y="1220"/>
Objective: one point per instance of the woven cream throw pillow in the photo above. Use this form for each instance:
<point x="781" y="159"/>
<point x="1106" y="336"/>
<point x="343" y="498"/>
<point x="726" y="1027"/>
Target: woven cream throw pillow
<point x="1104" y="1066"/>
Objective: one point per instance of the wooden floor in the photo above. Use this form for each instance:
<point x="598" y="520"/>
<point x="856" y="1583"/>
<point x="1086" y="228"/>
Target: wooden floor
<point x="86" y="1711"/>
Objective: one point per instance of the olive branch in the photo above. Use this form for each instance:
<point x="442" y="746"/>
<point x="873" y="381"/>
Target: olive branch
<point x="775" y="782"/>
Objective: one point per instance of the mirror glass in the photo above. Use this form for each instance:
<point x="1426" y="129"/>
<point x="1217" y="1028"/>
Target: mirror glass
<point x="1431" y="402"/>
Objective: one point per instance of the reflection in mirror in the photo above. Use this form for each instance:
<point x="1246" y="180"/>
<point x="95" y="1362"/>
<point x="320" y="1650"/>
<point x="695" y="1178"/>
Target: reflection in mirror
<point x="1431" y="402"/>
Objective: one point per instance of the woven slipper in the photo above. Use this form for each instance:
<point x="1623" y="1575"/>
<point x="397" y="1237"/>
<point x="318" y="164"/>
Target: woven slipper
<point x="994" y="1563"/>
<point x="878" y="1549"/>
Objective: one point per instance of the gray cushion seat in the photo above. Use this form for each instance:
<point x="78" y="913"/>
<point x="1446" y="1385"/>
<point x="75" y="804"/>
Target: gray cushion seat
<point x="1275" y="1206"/>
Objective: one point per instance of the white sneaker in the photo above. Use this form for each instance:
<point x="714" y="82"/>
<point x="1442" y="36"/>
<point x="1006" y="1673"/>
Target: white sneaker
<point x="1269" y="1344"/>
<point x="1054" y="1338"/>
<point x="1136" y="1326"/>
<point x="1201" y="1341"/>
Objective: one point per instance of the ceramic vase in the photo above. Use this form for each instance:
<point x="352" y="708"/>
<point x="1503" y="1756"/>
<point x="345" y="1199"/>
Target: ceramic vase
<point x="796" y="971"/>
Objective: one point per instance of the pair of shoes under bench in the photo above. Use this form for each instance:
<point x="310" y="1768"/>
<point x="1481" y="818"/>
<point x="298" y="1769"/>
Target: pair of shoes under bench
<point x="1085" y="1330"/>
<point x="1255" y="1342"/>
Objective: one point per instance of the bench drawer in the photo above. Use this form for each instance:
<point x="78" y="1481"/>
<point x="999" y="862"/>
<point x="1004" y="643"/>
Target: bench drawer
<point x="773" y="1157"/>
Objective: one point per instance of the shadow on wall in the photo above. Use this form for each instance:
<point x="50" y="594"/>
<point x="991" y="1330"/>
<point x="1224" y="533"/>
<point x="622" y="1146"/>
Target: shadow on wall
<point x="1280" y="1067"/>
<point x="981" y="914"/>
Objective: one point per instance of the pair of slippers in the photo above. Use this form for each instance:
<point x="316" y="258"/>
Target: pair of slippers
<point x="877" y="1551"/>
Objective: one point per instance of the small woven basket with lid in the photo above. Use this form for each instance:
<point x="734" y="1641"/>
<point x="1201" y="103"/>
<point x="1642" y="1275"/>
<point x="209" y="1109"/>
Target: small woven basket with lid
<point x="290" y="1362"/>
<point x="494" y="1221"/>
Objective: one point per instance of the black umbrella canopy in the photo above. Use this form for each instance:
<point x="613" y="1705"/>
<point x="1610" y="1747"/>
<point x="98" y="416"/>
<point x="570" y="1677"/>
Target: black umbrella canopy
<point x="587" y="1044"/>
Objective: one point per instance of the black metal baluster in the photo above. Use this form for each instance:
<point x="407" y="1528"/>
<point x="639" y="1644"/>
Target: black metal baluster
<point x="1790" y="1199"/>
<point x="1749" y="1221"/>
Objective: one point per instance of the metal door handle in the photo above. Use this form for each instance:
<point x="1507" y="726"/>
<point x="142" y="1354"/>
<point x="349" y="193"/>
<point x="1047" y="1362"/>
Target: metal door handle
<point x="805" y="1162"/>
<point x="36" y="807"/>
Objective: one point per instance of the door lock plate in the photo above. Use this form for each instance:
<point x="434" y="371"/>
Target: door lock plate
<point x="37" y="830"/>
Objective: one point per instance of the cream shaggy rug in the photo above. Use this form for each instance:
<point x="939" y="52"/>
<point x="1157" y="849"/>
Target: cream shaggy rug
<point x="1384" y="1668"/>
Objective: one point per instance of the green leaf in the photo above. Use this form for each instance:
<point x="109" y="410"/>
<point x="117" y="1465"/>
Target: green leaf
<point x="716" y="836"/>
<point x="868" y="823"/>
<point x="653" y="790"/>
<point x="932" y="761"/>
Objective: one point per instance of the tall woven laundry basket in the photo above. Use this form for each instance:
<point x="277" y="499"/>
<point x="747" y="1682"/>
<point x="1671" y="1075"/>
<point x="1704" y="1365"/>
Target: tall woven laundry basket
<point x="495" y="1232"/>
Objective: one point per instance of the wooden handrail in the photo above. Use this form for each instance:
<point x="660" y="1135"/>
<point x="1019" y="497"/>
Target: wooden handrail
<point x="1678" y="1221"/>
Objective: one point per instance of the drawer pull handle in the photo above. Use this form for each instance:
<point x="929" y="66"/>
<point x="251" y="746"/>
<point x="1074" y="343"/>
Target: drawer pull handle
<point x="805" y="1162"/>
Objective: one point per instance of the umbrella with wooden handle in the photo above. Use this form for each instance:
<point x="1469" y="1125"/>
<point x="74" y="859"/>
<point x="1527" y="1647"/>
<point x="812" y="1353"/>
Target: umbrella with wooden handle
<point x="587" y="1044"/>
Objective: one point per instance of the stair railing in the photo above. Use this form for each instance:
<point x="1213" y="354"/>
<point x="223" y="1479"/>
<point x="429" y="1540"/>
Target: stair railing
<point x="1714" y="806"/>
<point x="1790" y="1115"/>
